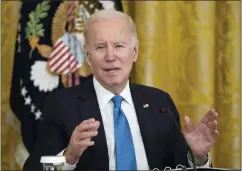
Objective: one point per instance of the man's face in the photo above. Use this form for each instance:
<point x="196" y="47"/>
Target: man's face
<point x="110" y="51"/>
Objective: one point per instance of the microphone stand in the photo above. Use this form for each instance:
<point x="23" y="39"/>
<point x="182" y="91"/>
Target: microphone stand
<point x="164" y="110"/>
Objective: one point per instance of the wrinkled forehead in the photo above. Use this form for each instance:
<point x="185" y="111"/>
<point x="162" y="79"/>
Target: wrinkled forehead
<point x="114" y="28"/>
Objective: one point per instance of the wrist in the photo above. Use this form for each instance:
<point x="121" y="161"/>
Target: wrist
<point x="200" y="160"/>
<point x="70" y="159"/>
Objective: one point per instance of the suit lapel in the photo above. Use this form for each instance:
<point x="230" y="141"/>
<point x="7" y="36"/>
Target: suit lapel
<point x="88" y="108"/>
<point x="146" y="124"/>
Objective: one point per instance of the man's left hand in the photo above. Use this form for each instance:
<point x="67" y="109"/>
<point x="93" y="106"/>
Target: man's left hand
<point x="201" y="137"/>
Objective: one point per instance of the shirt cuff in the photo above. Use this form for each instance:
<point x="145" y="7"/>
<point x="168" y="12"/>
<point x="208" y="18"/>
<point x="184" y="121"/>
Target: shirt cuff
<point x="200" y="164"/>
<point x="66" y="165"/>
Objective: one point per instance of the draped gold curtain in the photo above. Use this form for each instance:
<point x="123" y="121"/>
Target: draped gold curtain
<point x="190" y="49"/>
<point x="10" y="127"/>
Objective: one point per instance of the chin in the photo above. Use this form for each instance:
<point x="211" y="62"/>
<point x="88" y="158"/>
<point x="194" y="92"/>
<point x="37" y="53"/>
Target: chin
<point x="116" y="81"/>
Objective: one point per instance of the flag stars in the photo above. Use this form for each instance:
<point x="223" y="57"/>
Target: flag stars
<point x="27" y="100"/>
<point x="37" y="115"/>
<point x="19" y="49"/>
<point x="19" y="38"/>
<point x="23" y="91"/>
<point x="32" y="108"/>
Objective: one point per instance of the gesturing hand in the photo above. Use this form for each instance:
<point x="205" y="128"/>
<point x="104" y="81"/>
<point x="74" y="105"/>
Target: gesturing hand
<point x="81" y="139"/>
<point x="202" y="136"/>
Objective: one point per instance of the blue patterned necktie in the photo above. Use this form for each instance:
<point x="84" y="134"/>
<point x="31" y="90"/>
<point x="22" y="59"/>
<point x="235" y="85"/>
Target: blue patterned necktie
<point x="124" y="147"/>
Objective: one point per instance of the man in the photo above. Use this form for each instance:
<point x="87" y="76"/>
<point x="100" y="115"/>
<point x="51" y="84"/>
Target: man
<point x="108" y="123"/>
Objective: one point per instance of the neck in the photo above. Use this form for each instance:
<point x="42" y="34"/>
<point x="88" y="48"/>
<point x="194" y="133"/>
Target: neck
<point x="115" y="89"/>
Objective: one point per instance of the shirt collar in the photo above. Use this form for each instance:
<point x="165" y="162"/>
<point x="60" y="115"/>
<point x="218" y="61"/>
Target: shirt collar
<point x="104" y="95"/>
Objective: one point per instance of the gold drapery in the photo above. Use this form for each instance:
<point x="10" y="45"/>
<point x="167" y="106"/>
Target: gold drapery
<point x="11" y="139"/>
<point x="190" y="49"/>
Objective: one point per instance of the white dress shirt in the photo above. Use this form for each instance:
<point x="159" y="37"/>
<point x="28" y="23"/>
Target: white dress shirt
<point x="106" y="107"/>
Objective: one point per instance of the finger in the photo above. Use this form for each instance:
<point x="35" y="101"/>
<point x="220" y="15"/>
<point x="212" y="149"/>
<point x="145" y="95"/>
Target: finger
<point x="188" y="124"/>
<point x="206" y="117"/>
<point x="87" y="126"/>
<point x="91" y="120"/>
<point x="86" y="143"/>
<point x="86" y="139"/>
<point x="212" y="126"/>
<point x="213" y="117"/>
<point x="88" y="134"/>
<point x="88" y="121"/>
<point x="212" y="122"/>
<point x="208" y="134"/>
<point x="215" y="134"/>
<point x="95" y="128"/>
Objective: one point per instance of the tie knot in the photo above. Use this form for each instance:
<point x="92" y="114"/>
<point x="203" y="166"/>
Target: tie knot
<point x="117" y="100"/>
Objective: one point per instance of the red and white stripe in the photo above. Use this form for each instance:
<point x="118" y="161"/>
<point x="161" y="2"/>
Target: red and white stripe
<point x="61" y="60"/>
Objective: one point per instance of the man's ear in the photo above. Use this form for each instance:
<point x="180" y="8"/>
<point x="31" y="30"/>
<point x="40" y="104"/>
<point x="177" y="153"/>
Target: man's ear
<point x="86" y="53"/>
<point x="136" y="52"/>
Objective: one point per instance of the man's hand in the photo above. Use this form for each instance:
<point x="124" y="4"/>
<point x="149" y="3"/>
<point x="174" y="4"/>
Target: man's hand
<point x="80" y="140"/>
<point x="201" y="137"/>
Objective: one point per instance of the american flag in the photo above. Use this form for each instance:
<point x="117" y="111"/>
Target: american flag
<point x="61" y="60"/>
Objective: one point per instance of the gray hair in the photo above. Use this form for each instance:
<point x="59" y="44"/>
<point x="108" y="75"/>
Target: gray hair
<point x="110" y="14"/>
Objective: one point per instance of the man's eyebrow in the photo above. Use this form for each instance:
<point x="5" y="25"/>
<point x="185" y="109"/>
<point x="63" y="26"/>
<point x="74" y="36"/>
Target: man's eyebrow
<point x="115" y="42"/>
<point x="99" y="43"/>
<point x="120" y="42"/>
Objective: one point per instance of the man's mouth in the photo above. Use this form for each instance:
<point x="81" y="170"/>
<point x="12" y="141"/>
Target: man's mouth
<point x="112" y="70"/>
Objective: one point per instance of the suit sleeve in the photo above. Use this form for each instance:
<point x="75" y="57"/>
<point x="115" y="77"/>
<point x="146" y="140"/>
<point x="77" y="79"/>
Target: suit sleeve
<point x="50" y="138"/>
<point x="180" y="149"/>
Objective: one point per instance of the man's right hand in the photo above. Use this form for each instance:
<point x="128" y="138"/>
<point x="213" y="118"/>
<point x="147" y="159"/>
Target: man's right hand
<point x="80" y="140"/>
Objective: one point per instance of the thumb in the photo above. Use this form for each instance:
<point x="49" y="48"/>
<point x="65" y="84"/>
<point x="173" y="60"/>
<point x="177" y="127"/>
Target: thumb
<point x="188" y="124"/>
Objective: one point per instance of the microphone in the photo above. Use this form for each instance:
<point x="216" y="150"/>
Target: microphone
<point x="165" y="110"/>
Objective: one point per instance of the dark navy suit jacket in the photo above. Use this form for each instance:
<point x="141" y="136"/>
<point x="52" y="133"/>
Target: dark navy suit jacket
<point x="67" y="108"/>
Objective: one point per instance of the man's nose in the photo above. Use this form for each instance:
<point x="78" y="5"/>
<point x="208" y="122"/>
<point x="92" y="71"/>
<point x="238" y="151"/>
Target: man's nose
<point x="110" y="57"/>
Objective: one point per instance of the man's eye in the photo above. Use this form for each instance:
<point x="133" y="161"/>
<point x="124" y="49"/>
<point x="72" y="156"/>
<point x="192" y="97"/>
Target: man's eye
<point x="99" y="47"/>
<point x="119" y="46"/>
